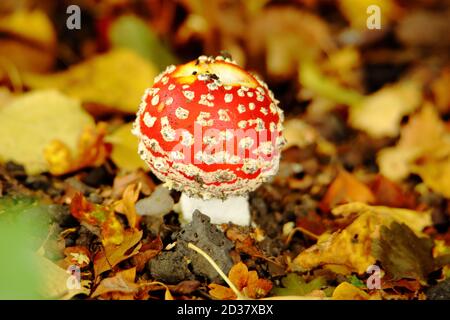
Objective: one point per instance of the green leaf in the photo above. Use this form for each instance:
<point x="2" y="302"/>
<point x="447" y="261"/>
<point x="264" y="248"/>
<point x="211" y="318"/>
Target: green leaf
<point x="354" y="280"/>
<point x="132" y="33"/>
<point x="295" y="285"/>
<point x="403" y="254"/>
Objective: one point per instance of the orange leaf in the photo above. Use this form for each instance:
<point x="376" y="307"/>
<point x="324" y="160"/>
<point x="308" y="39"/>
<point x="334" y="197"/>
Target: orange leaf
<point x="126" y="205"/>
<point x="112" y="254"/>
<point x="346" y="188"/>
<point x="239" y="275"/>
<point x="98" y="216"/>
<point x="92" y="151"/>
<point x="257" y="288"/>
<point x="220" y="292"/>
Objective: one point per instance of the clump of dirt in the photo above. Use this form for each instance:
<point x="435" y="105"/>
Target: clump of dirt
<point x="182" y="263"/>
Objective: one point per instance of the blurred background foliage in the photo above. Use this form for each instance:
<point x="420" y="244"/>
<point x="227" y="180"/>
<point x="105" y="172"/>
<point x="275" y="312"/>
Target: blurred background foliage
<point x="67" y="97"/>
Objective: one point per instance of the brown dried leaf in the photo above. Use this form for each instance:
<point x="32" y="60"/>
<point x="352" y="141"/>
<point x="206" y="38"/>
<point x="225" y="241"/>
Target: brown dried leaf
<point x="122" y="282"/>
<point x="111" y="255"/>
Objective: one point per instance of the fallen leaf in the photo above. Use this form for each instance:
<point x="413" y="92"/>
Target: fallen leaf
<point x="111" y="255"/>
<point x="295" y="285"/>
<point x="124" y="149"/>
<point x="381" y="113"/>
<point x="103" y="217"/>
<point x="245" y="281"/>
<point x="423" y="148"/>
<point x="344" y="189"/>
<point x="390" y="194"/>
<point x="147" y="252"/>
<point x="92" y="151"/>
<point x="102" y="80"/>
<point x="403" y="254"/>
<point x="55" y="280"/>
<point x="346" y="291"/>
<point x="123" y="282"/>
<point x="28" y="43"/>
<point x="311" y="78"/>
<point x="220" y="292"/>
<point x="54" y="117"/>
<point x="416" y="220"/>
<point x="136" y="177"/>
<point x="126" y="205"/>
<point x="350" y="249"/>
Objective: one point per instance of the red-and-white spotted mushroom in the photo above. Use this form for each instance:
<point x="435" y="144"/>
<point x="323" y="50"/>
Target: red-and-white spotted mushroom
<point x="213" y="131"/>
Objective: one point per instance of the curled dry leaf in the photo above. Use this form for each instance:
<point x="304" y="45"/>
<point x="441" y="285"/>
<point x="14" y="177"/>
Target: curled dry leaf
<point x="111" y="254"/>
<point x="92" y="151"/>
<point x="99" y="216"/>
<point x="126" y="205"/>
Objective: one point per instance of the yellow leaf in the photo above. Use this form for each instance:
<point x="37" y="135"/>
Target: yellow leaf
<point x="31" y="122"/>
<point x="423" y="148"/>
<point x="116" y="79"/>
<point x="416" y="220"/>
<point x="33" y="25"/>
<point x="126" y="205"/>
<point x="28" y="43"/>
<point x="380" y="113"/>
<point x="114" y="254"/>
<point x="298" y="133"/>
<point x="124" y="149"/>
<point x="350" y="250"/>
<point x="92" y="151"/>
<point x="347" y="291"/>
<point x="55" y="280"/>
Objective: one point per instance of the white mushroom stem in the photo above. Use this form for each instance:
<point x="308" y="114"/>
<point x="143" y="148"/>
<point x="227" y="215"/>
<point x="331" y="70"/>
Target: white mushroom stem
<point x="233" y="209"/>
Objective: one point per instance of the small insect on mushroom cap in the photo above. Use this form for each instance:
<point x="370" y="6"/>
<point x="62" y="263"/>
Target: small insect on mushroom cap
<point x="210" y="129"/>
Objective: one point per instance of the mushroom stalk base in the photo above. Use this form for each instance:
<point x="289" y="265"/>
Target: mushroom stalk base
<point x="233" y="209"/>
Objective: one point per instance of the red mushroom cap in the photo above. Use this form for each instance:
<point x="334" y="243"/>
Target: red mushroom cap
<point x="210" y="129"/>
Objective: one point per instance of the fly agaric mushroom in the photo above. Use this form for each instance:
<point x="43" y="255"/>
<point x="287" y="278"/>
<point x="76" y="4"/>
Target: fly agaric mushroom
<point x="213" y="131"/>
